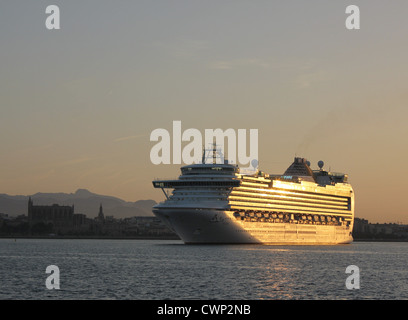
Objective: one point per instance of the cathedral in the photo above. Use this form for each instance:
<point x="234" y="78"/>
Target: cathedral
<point x="61" y="217"/>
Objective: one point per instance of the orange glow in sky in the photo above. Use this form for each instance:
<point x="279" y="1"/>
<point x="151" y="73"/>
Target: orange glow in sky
<point x="78" y="104"/>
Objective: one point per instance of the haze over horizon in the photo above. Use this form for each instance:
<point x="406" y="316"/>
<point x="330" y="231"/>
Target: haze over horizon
<point x="77" y="105"/>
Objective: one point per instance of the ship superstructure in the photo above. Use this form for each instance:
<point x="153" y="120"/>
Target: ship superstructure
<point x="219" y="203"/>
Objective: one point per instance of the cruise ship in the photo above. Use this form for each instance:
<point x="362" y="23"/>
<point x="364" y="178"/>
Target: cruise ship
<point x="219" y="203"/>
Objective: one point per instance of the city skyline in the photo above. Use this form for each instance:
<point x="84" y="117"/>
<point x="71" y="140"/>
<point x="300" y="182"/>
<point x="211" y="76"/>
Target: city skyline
<point x="78" y="104"/>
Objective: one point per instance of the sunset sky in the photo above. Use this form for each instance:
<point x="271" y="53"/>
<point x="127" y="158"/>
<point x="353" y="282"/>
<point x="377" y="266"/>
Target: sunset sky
<point x="77" y="105"/>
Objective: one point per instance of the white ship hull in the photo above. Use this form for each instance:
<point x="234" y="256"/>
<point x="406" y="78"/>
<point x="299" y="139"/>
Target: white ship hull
<point x="212" y="226"/>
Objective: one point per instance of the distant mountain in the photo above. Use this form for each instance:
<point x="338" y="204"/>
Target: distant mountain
<point x="84" y="202"/>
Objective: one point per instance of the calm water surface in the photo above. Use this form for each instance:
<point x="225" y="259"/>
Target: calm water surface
<point x="155" y="269"/>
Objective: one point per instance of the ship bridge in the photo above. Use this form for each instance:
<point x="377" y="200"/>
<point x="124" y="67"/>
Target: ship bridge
<point x="196" y="183"/>
<point x="201" y="182"/>
<point x="211" y="169"/>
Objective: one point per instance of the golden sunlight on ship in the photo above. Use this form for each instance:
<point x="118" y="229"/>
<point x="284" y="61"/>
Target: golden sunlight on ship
<point x="279" y="184"/>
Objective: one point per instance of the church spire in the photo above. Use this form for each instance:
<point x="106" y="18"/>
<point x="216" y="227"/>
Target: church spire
<point x="101" y="217"/>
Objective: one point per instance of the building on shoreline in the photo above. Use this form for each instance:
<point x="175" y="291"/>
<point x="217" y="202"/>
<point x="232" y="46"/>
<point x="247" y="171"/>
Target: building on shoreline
<point x="364" y="230"/>
<point x="59" y="220"/>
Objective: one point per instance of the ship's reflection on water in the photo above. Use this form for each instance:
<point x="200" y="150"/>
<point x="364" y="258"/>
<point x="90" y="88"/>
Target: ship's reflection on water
<point x="276" y="281"/>
<point x="298" y="272"/>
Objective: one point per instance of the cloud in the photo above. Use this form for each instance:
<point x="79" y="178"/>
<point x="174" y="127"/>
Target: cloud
<point x="185" y="49"/>
<point x="268" y="63"/>
<point x="36" y="149"/>
<point x="239" y="63"/>
<point x="129" y="138"/>
<point x="44" y="175"/>
<point x="75" y="161"/>
<point x="305" y="80"/>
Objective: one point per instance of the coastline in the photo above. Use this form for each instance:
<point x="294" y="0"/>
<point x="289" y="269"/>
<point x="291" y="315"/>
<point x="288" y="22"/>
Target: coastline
<point x="91" y="237"/>
<point x="144" y="237"/>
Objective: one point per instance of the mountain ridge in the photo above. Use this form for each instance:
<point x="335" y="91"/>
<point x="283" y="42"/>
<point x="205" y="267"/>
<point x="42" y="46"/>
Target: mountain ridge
<point x="84" y="201"/>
